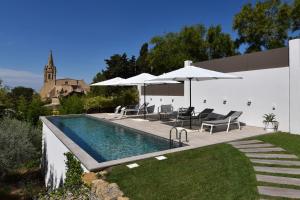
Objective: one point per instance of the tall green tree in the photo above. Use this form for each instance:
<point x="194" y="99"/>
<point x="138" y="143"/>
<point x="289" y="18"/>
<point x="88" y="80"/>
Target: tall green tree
<point x="119" y="66"/>
<point x="295" y="15"/>
<point x="27" y="93"/>
<point x="264" y="25"/>
<point x="142" y="62"/>
<point x="194" y="43"/>
<point x="219" y="44"/>
<point x="170" y="50"/>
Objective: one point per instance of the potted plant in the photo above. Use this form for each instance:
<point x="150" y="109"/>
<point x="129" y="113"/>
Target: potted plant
<point x="271" y="124"/>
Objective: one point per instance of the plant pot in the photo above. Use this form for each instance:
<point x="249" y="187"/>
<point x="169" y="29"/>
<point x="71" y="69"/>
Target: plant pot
<point x="271" y="126"/>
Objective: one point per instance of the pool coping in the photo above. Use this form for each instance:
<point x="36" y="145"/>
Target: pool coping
<point x="88" y="161"/>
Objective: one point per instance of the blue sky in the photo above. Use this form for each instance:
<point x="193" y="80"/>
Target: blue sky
<point x="84" y="33"/>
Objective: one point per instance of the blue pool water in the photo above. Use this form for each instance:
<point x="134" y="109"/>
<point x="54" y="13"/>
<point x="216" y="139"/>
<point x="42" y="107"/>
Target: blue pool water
<point x="105" y="141"/>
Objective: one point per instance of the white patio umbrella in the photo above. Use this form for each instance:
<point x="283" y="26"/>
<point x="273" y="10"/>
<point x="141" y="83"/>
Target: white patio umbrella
<point x="109" y="82"/>
<point x="144" y="79"/>
<point x="196" y="74"/>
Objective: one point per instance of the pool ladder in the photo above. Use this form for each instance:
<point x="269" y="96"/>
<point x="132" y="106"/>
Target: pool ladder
<point x="178" y="134"/>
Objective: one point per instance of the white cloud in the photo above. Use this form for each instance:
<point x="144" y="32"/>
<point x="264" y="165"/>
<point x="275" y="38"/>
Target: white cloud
<point x="13" y="78"/>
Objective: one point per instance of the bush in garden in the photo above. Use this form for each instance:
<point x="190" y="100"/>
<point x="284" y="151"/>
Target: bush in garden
<point x="74" y="172"/>
<point x="128" y="97"/>
<point x="20" y="143"/>
<point x="36" y="109"/>
<point x="98" y="102"/>
<point x="71" y="105"/>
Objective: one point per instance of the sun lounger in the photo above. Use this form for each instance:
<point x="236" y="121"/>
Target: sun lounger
<point x="117" y="109"/>
<point x="184" y="114"/>
<point x="136" y="109"/>
<point x="164" y="111"/>
<point x="229" y="119"/>
<point x="150" y="109"/>
<point x="200" y="116"/>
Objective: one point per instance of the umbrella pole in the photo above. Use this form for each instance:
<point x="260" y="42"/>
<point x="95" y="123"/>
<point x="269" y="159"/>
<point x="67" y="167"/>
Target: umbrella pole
<point x="145" y="101"/>
<point x="190" y="102"/>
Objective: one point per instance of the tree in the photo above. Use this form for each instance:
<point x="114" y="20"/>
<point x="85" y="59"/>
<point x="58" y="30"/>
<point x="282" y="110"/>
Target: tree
<point x="295" y="15"/>
<point x="27" y="93"/>
<point x="119" y="66"/>
<point x="22" y="106"/>
<point x="170" y="50"/>
<point x="142" y="63"/>
<point x="264" y="25"/>
<point x="219" y="44"/>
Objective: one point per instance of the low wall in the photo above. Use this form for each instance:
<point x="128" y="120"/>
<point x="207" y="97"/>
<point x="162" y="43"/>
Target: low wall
<point x="54" y="159"/>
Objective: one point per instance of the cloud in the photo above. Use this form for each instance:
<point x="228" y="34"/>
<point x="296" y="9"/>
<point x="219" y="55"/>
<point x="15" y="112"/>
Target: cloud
<point x="13" y="78"/>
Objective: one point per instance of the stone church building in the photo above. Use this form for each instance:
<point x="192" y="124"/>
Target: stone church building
<point x="54" y="88"/>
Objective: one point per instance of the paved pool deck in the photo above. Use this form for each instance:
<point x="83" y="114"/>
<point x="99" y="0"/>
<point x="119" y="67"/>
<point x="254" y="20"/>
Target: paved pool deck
<point x="195" y="137"/>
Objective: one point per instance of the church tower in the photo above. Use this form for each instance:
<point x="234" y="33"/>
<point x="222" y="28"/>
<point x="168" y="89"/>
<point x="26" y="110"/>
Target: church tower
<point x="50" y="70"/>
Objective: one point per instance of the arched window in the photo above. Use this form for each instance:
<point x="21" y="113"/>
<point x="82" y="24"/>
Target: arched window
<point x="49" y="76"/>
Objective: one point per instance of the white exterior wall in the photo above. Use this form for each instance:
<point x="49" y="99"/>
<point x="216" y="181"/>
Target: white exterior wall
<point x="176" y="101"/>
<point x="267" y="89"/>
<point x="54" y="159"/>
<point x="294" y="57"/>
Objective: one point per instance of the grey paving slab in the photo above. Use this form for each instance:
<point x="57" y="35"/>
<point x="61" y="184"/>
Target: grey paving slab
<point x="278" y="192"/>
<point x="243" y="146"/>
<point x="278" y="170"/>
<point x="269" y="155"/>
<point x="276" y="162"/>
<point x="244" y="142"/>
<point x="278" y="179"/>
<point x="257" y="150"/>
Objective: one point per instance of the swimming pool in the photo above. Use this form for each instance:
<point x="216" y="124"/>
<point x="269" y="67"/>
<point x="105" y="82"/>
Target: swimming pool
<point x="106" y="141"/>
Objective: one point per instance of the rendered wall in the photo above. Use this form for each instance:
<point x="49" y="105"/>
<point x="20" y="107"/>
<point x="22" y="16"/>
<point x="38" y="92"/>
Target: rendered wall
<point x="176" y="101"/>
<point x="53" y="159"/>
<point x="294" y="57"/>
<point x="268" y="91"/>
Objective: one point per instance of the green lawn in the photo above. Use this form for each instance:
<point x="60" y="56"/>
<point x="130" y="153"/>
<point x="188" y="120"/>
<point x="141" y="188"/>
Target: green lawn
<point x="214" y="172"/>
<point x="287" y="141"/>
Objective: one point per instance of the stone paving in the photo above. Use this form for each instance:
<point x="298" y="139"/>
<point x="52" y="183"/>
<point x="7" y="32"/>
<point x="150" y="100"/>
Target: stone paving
<point x="276" y="165"/>
<point x="195" y="138"/>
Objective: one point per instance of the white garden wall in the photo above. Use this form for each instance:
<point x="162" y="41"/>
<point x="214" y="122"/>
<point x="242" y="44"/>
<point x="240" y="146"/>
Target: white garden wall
<point x="294" y="59"/>
<point x="268" y="91"/>
<point x="54" y="159"/>
<point x="176" y="101"/>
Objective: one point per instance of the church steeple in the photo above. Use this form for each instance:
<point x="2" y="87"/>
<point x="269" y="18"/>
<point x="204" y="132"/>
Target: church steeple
<point x="50" y="70"/>
<point x="50" y="59"/>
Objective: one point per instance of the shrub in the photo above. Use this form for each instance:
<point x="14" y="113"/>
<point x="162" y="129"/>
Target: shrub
<point x="35" y="110"/>
<point x="20" y="143"/>
<point x="98" y="102"/>
<point x="127" y="97"/>
<point x="71" y="105"/>
<point x="74" y="172"/>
